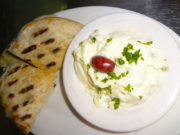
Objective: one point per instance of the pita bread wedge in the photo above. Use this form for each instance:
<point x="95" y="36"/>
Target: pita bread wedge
<point x="23" y="89"/>
<point x="44" y="41"/>
<point x="6" y="58"/>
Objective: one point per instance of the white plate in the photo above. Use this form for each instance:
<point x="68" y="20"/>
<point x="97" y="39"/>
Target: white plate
<point x="58" y="118"/>
<point x="125" y="120"/>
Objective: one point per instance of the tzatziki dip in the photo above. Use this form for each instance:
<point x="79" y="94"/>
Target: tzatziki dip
<point x="120" y="69"/>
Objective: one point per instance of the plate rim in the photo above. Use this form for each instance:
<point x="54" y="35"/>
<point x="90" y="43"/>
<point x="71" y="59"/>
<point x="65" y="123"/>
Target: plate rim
<point x="66" y="88"/>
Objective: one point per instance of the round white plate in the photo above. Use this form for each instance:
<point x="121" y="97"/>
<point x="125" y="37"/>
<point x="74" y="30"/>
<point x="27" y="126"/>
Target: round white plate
<point x="57" y="116"/>
<point x="133" y="118"/>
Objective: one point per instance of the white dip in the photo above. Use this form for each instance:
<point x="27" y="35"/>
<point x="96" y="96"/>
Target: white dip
<point x="133" y="79"/>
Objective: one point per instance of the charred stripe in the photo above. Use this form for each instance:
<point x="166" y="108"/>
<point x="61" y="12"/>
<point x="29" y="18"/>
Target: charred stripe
<point x="40" y="32"/>
<point x="14" y="108"/>
<point x="56" y="50"/>
<point x="29" y="49"/>
<point x="40" y="55"/>
<point x="12" y="82"/>
<point x="51" y="64"/>
<point x="49" y="41"/>
<point x="28" y="88"/>
<point x="26" y="116"/>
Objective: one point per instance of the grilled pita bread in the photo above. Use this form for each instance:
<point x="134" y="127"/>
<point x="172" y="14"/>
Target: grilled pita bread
<point x="6" y="58"/>
<point x="22" y="90"/>
<point x="44" y="41"/>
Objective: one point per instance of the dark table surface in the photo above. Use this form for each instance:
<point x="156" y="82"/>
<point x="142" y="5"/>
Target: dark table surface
<point x="15" y="13"/>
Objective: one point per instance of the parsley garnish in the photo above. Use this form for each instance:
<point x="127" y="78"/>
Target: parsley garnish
<point x="109" y="89"/>
<point x="88" y="65"/>
<point x="129" y="88"/>
<point x="147" y="43"/>
<point x="95" y="71"/>
<point x="113" y="75"/>
<point x="127" y="72"/>
<point x="117" y="102"/>
<point x="131" y="57"/>
<point x="109" y="40"/>
<point x="93" y="39"/>
<point x="164" y="68"/>
<point x="104" y="80"/>
<point x="121" y="61"/>
<point x="99" y="90"/>
<point x="81" y="43"/>
<point x="96" y="77"/>
<point x="140" y="97"/>
<point x="142" y="58"/>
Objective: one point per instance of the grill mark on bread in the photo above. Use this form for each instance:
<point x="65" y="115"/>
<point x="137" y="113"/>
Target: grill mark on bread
<point x="29" y="49"/>
<point x="26" y="116"/>
<point x="16" y="69"/>
<point x="40" y="55"/>
<point x="26" y="89"/>
<point x="56" y="50"/>
<point x="51" y="64"/>
<point x="11" y="95"/>
<point x="25" y="66"/>
<point x="28" y="60"/>
<point x="14" y="108"/>
<point x="40" y="32"/>
<point x="12" y="82"/>
<point x="25" y="103"/>
<point x="51" y="40"/>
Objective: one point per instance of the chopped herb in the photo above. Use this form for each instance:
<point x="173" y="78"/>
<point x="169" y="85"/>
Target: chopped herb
<point x="104" y="80"/>
<point x="127" y="72"/>
<point x="113" y="75"/>
<point x="165" y="59"/>
<point x="142" y="58"/>
<point x="123" y="74"/>
<point x="109" y="40"/>
<point x="88" y="65"/>
<point x="109" y="89"/>
<point x="140" y="97"/>
<point x="95" y="71"/>
<point x="81" y="43"/>
<point x="121" y="61"/>
<point x="164" y="68"/>
<point x="95" y="31"/>
<point x="131" y="57"/>
<point x="93" y="39"/>
<point x="99" y="90"/>
<point x="147" y="43"/>
<point x="117" y="102"/>
<point x="129" y="88"/>
<point x="96" y="78"/>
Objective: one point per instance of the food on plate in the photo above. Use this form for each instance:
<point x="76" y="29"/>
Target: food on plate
<point x="30" y="64"/>
<point x="136" y="68"/>
<point x="44" y="41"/>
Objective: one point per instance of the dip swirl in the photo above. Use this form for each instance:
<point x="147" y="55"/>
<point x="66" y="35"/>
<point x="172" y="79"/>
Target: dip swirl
<point x="139" y="68"/>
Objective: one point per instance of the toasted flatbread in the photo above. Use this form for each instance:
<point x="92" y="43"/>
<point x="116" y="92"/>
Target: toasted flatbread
<point x="22" y="90"/>
<point x="44" y="41"/>
<point x="6" y="58"/>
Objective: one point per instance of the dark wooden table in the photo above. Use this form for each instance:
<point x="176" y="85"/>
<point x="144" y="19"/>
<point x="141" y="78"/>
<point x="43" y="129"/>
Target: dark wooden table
<point x="15" y="13"/>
